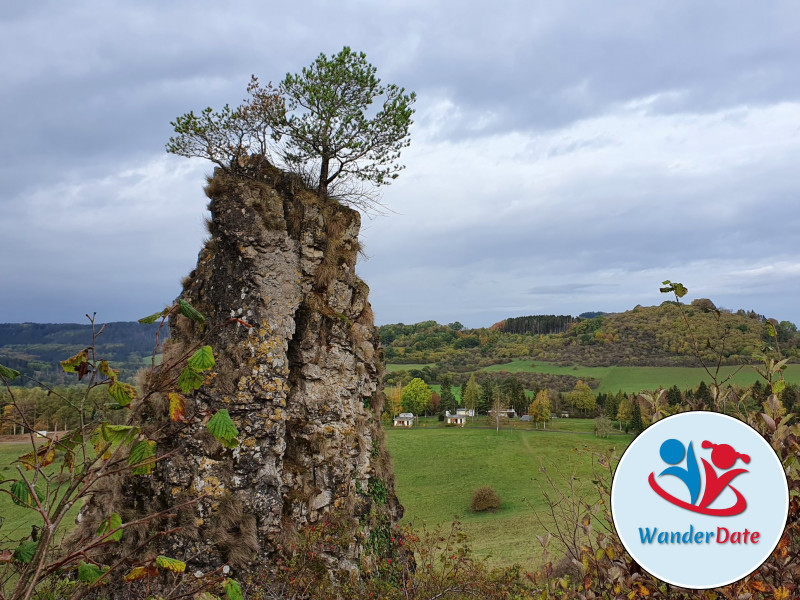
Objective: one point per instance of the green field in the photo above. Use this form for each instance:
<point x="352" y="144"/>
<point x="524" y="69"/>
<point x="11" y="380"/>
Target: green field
<point x="437" y="470"/>
<point x="393" y="368"/>
<point x="636" y="379"/>
<point x="17" y="520"/>
<point x="455" y="389"/>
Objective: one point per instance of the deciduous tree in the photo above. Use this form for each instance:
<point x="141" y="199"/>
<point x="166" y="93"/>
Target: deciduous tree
<point x="416" y="396"/>
<point x="625" y="412"/>
<point x="499" y="405"/>
<point x="471" y="395"/>
<point x="394" y="398"/>
<point x="540" y="409"/>
<point x="581" y="398"/>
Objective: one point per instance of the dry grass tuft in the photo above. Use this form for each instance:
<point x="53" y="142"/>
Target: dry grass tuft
<point x="217" y="185"/>
<point x="367" y="317"/>
<point x="326" y="271"/>
<point x="234" y="532"/>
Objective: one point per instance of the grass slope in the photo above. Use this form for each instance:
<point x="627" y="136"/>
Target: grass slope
<point x="433" y="491"/>
<point x="636" y="379"/>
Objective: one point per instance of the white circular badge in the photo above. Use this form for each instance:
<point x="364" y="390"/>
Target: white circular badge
<point x="699" y="500"/>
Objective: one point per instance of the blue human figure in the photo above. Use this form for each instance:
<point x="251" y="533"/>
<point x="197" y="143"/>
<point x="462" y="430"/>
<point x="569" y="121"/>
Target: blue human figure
<point x="672" y="452"/>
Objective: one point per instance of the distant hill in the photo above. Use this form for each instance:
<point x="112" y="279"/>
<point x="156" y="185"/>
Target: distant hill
<point x="643" y="336"/>
<point x="35" y="349"/>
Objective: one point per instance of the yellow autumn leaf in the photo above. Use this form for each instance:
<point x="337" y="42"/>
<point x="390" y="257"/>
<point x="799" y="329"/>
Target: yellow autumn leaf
<point x="140" y="573"/>
<point x="781" y="593"/>
<point x="177" y="407"/>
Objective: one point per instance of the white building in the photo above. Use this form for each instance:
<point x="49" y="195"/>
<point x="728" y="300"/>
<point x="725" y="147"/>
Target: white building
<point x="404" y="420"/>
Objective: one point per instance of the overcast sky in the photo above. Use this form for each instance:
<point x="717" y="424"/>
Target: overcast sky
<point x="565" y="157"/>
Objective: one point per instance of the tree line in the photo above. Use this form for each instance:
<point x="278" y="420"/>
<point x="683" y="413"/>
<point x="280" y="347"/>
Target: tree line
<point x="538" y="324"/>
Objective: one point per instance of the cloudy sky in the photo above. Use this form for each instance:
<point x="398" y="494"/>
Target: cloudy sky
<point x="566" y="156"/>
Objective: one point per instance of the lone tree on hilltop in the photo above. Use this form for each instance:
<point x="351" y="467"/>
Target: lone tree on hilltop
<point x="317" y="124"/>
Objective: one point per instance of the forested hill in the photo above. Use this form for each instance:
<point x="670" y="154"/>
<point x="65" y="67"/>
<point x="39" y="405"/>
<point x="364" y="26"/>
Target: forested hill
<point x="35" y="349"/>
<point x="644" y="335"/>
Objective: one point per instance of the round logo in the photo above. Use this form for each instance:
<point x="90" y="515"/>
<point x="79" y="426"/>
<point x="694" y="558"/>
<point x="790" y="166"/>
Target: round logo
<point x="699" y="500"/>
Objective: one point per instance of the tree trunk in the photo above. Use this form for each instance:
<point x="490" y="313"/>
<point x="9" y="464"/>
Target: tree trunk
<point x="323" y="176"/>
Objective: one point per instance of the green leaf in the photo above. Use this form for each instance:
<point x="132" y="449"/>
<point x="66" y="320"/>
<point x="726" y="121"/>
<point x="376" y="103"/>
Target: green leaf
<point x="189" y="380"/>
<point x="68" y="442"/>
<point x="778" y="386"/>
<point x="154" y="317"/>
<point x="25" y="551"/>
<point x="90" y="573"/>
<point x="141" y="457"/>
<point x="21" y="494"/>
<point x="223" y="429"/>
<point x="190" y="312"/>
<point x="110" y="524"/>
<point x="203" y="359"/>
<point x="171" y="564"/>
<point x="771" y="330"/>
<point x="117" y="434"/>
<point x="123" y="393"/>
<point x="9" y="374"/>
<point x="106" y="370"/>
<point x="678" y="289"/>
<point x="110" y="436"/>
<point x="73" y="363"/>
<point x="233" y="590"/>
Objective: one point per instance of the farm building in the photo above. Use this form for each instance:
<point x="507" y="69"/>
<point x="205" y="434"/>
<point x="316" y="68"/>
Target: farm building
<point x="459" y="417"/>
<point x="404" y="420"/>
<point x="505" y="412"/>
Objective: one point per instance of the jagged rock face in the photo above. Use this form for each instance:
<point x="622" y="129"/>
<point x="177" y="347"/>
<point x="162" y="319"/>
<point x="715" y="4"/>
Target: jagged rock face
<point x="302" y="384"/>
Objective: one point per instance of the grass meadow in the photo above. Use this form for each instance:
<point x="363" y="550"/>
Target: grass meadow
<point x="437" y="469"/>
<point x="636" y="379"/>
<point x="16" y="521"/>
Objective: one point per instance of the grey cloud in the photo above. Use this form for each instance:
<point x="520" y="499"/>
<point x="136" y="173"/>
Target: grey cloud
<point x="91" y="88"/>
<point x="568" y="288"/>
<point x="541" y="66"/>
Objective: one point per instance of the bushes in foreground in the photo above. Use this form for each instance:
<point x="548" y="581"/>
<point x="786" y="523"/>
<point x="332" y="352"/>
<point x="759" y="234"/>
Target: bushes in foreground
<point x="424" y="564"/>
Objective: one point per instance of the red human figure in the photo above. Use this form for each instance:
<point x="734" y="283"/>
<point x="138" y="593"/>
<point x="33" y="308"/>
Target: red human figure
<point x="724" y="457"/>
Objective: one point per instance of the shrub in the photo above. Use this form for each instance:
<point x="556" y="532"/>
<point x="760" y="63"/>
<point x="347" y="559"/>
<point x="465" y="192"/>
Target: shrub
<point x="485" y="498"/>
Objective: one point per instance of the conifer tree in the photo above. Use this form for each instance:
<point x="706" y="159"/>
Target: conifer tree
<point x="637" y="425"/>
